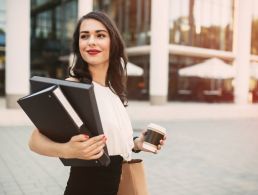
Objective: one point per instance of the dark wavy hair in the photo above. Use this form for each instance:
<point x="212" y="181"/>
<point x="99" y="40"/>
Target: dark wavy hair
<point x="116" y="74"/>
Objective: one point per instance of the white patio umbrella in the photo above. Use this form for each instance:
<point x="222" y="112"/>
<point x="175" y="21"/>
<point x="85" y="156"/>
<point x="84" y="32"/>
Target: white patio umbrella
<point x="134" y="70"/>
<point x="213" y="68"/>
<point x="254" y="70"/>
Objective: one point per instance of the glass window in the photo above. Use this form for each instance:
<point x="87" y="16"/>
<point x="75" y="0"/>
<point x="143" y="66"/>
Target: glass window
<point x="52" y="26"/>
<point x="202" y="23"/>
<point x="2" y="16"/>
<point x="132" y="18"/>
<point x="36" y="3"/>
<point x="44" y="25"/>
<point x="138" y="77"/>
<point x="2" y="45"/>
<point x="254" y="43"/>
<point x="254" y="50"/>
<point x="183" y="87"/>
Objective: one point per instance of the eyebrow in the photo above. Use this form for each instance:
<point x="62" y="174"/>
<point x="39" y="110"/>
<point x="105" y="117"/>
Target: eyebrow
<point x="97" y="31"/>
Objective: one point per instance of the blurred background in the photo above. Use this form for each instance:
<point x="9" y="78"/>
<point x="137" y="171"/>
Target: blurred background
<point x="192" y="50"/>
<point x="196" y="61"/>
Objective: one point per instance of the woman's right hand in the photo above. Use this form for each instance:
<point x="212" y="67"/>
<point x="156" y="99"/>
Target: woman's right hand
<point x="83" y="147"/>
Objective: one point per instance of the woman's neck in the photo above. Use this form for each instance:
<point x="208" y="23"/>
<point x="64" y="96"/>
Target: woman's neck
<point x="99" y="74"/>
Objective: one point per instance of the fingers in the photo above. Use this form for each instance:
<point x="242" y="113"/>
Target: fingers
<point x="93" y="147"/>
<point x="95" y="152"/>
<point x="99" y="138"/>
<point x="96" y="156"/>
<point x="84" y="137"/>
<point x="80" y="138"/>
<point x="162" y="142"/>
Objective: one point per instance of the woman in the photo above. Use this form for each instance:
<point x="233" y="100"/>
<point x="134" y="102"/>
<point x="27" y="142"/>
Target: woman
<point x="100" y="59"/>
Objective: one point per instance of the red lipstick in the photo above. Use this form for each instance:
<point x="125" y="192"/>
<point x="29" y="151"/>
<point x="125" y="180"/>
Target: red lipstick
<point x="93" y="51"/>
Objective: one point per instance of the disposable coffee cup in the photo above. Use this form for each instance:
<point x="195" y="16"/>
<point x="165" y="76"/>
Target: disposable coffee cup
<point x="153" y="136"/>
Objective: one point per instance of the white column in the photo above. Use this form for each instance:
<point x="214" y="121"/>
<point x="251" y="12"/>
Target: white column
<point x="84" y="7"/>
<point x="242" y="45"/>
<point x="17" y="50"/>
<point x="159" y="54"/>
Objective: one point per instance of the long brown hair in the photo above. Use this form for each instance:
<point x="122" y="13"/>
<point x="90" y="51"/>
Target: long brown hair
<point x="116" y="74"/>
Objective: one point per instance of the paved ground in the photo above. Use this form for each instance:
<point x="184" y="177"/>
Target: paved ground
<point x="215" y="157"/>
<point x="206" y="157"/>
<point x="211" y="149"/>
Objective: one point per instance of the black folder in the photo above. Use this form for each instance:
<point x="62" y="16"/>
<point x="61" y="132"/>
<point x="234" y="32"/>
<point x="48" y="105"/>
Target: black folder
<point x="52" y="115"/>
<point x="51" y="118"/>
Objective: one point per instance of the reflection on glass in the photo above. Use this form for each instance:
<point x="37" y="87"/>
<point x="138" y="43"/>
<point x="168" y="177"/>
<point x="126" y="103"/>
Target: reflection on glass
<point x="202" y="23"/>
<point x="52" y="26"/>
<point x="2" y="45"/>
<point x="35" y="3"/>
<point x="138" y="85"/>
<point x="132" y="18"/>
<point x="193" y="88"/>
<point x="254" y="43"/>
<point x="2" y="16"/>
<point x="44" y="26"/>
<point x="254" y="50"/>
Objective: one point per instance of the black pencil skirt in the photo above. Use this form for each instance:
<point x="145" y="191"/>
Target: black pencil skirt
<point x="95" y="180"/>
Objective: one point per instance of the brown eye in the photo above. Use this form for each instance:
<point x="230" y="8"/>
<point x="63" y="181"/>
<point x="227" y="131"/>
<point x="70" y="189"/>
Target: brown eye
<point x="84" y="36"/>
<point x="101" y="36"/>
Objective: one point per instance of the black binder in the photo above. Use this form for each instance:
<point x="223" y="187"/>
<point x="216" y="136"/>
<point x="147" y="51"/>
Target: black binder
<point x="52" y="115"/>
<point x="46" y="115"/>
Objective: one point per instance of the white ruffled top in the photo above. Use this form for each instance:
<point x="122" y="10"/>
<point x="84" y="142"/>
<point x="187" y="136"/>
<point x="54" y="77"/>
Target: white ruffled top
<point x="115" y="122"/>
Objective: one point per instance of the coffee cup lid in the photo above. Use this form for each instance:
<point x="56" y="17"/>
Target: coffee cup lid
<point x="157" y="127"/>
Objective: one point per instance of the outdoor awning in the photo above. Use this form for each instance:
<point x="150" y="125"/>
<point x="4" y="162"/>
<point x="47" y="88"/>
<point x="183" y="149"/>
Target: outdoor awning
<point x="213" y="68"/>
<point x="134" y="70"/>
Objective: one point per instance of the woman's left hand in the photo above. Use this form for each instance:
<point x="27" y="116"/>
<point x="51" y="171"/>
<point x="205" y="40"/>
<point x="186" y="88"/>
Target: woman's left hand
<point x="139" y="142"/>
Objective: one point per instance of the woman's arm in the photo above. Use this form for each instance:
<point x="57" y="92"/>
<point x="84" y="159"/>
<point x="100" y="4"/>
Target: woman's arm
<point x="40" y="144"/>
<point x="79" y="146"/>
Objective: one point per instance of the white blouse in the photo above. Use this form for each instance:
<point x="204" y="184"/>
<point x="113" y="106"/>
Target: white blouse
<point x="115" y="122"/>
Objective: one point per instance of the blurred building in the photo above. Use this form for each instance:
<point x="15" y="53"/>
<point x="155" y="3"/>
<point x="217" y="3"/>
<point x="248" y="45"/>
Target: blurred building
<point x="2" y="45"/>
<point x="162" y="37"/>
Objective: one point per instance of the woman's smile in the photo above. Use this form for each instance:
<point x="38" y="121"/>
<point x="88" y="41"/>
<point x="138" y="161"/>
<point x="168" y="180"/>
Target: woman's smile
<point x="93" y="52"/>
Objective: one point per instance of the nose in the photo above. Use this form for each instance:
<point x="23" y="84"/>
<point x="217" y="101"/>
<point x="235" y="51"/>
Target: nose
<point x="91" y="40"/>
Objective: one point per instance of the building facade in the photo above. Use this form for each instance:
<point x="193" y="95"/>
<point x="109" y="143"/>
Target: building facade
<point x="162" y="37"/>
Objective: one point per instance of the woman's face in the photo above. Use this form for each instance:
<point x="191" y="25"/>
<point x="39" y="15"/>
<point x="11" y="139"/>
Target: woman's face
<point x="94" y="43"/>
